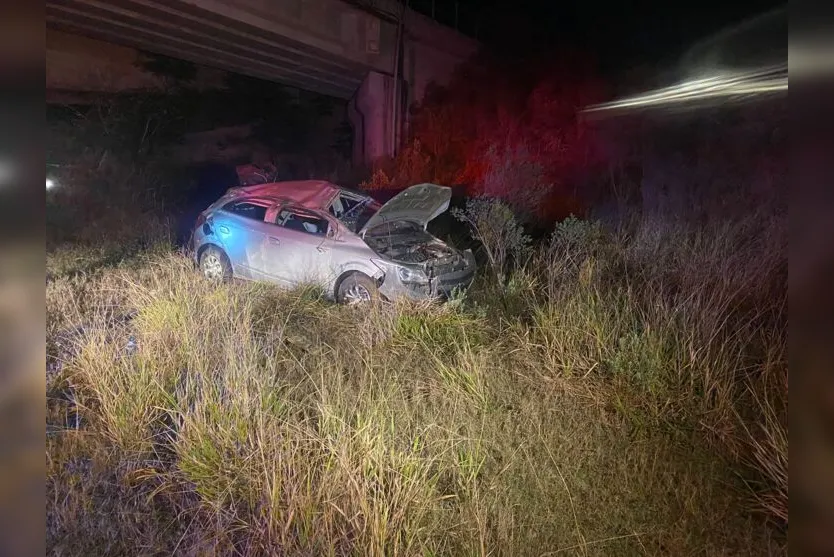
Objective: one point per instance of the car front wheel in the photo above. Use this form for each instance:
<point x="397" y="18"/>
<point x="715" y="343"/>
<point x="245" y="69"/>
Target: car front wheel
<point x="356" y="289"/>
<point x="215" y="265"/>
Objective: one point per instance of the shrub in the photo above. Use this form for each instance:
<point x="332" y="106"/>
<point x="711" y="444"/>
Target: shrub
<point x="515" y="139"/>
<point x="516" y="178"/>
<point x="379" y="180"/>
<point x="502" y="238"/>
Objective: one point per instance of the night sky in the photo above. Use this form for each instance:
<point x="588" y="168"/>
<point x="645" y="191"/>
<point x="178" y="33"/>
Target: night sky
<point x="619" y="35"/>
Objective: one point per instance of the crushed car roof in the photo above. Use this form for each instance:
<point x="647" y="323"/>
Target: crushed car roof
<point x="312" y="194"/>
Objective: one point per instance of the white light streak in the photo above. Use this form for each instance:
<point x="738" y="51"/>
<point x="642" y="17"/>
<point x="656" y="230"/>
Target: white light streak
<point x="769" y="80"/>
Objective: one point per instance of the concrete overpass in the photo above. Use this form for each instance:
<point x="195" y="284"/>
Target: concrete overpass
<point x="376" y="54"/>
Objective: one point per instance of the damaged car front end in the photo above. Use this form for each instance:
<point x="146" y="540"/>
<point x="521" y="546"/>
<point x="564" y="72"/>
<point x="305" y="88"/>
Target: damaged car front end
<point x="415" y="263"/>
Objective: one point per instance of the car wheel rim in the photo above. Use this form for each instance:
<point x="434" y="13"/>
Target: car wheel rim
<point x="212" y="267"/>
<point x="357" y="294"/>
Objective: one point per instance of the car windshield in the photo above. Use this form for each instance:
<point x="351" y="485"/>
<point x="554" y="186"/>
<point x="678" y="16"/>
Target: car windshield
<point x="359" y="214"/>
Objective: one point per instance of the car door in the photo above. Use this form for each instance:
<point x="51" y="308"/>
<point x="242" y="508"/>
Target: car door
<point x="242" y="232"/>
<point x="299" y="247"/>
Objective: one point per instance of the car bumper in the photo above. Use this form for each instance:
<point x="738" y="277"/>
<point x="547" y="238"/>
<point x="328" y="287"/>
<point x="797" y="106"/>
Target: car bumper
<point x="441" y="286"/>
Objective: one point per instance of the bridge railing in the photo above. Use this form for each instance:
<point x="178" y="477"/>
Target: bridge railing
<point x="459" y="15"/>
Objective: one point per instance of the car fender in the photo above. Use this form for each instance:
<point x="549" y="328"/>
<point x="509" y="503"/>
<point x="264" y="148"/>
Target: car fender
<point x="365" y="267"/>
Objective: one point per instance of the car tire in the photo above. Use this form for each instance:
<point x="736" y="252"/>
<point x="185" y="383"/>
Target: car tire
<point x="357" y="288"/>
<point x="214" y="265"/>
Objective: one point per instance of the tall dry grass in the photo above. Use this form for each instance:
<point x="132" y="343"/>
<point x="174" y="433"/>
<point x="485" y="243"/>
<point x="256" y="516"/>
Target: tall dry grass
<point x="619" y="397"/>
<point x="696" y="316"/>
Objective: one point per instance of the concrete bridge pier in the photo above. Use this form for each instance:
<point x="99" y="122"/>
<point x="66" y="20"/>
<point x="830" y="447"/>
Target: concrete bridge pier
<point x="375" y="118"/>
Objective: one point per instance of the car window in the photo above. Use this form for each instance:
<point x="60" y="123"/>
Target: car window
<point x="246" y="209"/>
<point x="353" y="213"/>
<point x="343" y="204"/>
<point x="302" y="222"/>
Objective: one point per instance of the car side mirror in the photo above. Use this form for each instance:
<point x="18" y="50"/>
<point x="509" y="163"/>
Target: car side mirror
<point x="331" y="233"/>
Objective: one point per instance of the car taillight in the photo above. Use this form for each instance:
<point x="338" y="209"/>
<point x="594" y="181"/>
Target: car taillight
<point x="201" y="220"/>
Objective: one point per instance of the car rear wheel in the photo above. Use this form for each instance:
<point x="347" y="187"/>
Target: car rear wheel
<point x="215" y="265"/>
<point x="356" y="289"/>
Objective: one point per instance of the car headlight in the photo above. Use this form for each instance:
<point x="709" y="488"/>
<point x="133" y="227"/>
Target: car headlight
<point x="411" y="275"/>
<point x="405" y="274"/>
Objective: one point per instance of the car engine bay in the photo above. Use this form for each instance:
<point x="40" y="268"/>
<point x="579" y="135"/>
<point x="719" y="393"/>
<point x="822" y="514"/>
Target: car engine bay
<point x="411" y="245"/>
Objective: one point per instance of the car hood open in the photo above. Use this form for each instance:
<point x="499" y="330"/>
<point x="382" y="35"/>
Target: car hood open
<point x="419" y="204"/>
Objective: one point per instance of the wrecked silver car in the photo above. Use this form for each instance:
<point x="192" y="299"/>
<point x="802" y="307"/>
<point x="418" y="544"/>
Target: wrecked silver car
<point x="314" y="232"/>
